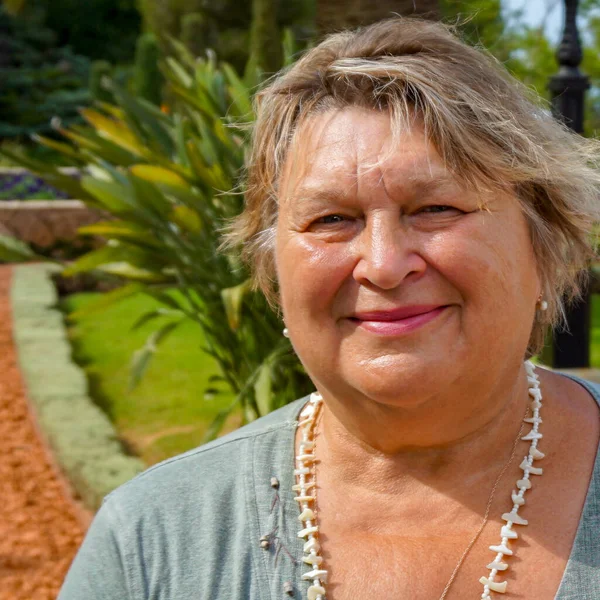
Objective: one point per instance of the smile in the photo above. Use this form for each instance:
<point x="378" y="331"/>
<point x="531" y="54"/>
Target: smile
<point x="399" y="321"/>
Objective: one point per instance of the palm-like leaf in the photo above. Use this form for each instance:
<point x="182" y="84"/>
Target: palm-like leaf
<point x="166" y="179"/>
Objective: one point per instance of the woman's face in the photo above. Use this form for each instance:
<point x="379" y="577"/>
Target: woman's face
<point x="394" y="281"/>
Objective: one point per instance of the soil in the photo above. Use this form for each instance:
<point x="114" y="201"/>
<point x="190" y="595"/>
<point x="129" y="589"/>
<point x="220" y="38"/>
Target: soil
<point x="41" y="525"/>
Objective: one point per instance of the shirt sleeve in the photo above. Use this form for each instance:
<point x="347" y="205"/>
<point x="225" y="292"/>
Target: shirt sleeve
<point x="98" y="571"/>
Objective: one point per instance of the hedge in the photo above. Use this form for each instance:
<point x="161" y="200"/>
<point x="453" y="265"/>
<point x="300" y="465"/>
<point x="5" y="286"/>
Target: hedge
<point x="81" y="436"/>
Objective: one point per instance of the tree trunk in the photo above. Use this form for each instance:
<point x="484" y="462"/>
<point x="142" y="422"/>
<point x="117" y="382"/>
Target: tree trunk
<point x="335" y="15"/>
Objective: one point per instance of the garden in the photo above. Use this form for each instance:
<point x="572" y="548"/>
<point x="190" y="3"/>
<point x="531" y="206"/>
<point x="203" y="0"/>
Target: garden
<point x="130" y="333"/>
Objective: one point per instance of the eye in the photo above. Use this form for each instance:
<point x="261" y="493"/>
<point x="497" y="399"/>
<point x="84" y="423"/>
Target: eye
<point x="335" y="226"/>
<point x="437" y="209"/>
<point x="330" y="219"/>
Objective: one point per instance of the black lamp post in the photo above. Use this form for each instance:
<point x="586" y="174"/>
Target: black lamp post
<point x="568" y="87"/>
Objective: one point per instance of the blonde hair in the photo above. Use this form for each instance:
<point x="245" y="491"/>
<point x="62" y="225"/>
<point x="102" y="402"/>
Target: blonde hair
<point x="488" y="129"/>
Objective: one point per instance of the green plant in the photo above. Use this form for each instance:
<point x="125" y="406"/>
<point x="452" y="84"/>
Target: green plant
<point x="98" y="29"/>
<point x="197" y="33"/>
<point x="82" y="438"/>
<point x="148" y="80"/>
<point x="266" y="53"/>
<point x="99" y="73"/>
<point x="169" y="402"/>
<point x="228" y="23"/>
<point x="170" y="182"/>
<point x="40" y="81"/>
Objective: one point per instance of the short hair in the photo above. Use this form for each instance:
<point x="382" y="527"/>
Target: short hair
<point x="488" y="129"/>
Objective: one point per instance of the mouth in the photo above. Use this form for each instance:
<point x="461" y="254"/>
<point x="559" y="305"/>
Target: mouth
<point x="397" y="321"/>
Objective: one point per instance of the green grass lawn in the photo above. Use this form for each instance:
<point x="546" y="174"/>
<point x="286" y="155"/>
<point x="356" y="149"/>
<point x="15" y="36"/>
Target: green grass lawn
<point x="167" y="413"/>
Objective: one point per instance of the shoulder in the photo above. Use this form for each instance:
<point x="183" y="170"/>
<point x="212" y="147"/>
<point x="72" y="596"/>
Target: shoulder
<point x="592" y="387"/>
<point x="572" y="387"/>
<point x="192" y="514"/>
<point x="209" y="470"/>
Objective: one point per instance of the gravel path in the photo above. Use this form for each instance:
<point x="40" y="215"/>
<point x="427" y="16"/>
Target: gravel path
<point x="41" y="526"/>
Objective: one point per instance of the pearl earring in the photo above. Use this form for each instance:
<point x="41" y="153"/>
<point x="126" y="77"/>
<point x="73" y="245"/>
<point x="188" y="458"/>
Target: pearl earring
<point x="286" y="333"/>
<point x="542" y="304"/>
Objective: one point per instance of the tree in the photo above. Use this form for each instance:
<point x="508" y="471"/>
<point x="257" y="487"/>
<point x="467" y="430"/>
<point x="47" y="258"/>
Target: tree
<point x="226" y="24"/>
<point x="335" y="15"/>
<point x="148" y="80"/>
<point x="266" y="54"/>
<point x="197" y="33"/>
<point x="98" y="29"/>
<point x="39" y="80"/>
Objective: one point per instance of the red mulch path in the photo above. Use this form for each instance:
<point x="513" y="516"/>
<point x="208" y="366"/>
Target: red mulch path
<point x="40" y="524"/>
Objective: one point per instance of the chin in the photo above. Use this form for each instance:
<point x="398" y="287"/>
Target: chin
<point x="401" y="380"/>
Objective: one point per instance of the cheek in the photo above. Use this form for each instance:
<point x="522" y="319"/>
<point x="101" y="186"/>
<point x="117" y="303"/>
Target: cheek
<point x="491" y="265"/>
<point x="311" y="274"/>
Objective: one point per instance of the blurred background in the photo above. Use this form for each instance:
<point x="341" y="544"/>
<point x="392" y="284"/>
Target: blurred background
<point x="127" y="336"/>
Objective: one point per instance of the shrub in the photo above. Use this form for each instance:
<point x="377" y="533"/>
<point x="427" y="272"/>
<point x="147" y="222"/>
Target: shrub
<point x="197" y="33"/>
<point x="266" y="53"/>
<point x="98" y="29"/>
<point x="22" y="185"/>
<point x="148" y="80"/>
<point x="99" y="73"/>
<point x="229" y="21"/>
<point x="39" y="80"/>
<point x="170" y="183"/>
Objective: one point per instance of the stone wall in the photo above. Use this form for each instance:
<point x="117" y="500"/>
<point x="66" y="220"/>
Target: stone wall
<point x="44" y="222"/>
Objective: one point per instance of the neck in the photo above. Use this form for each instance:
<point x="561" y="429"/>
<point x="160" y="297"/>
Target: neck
<point x="444" y="441"/>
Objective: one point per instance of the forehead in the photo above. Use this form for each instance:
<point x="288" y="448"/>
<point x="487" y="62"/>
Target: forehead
<point x="344" y="146"/>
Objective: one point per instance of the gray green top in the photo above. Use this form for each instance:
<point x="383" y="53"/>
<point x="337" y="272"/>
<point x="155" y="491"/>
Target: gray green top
<point x="190" y="528"/>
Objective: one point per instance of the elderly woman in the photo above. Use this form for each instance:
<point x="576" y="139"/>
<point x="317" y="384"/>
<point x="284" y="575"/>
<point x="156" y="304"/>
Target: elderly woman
<point x="420" y="222"/>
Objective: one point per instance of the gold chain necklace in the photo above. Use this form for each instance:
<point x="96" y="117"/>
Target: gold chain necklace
<point x="305" y="486"/>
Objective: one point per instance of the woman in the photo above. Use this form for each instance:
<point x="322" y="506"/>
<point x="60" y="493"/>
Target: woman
<point x="423" y="221"/>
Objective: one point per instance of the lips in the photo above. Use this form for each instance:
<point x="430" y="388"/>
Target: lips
<point x="397" y="321"/>
<point x="396" y="314"/>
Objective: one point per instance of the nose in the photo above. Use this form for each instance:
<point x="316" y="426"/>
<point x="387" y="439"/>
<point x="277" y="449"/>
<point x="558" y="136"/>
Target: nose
<point x="387" y="254"/>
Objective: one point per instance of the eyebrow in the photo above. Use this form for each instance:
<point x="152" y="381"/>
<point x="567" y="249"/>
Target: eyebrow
<point x="318" y="195"/>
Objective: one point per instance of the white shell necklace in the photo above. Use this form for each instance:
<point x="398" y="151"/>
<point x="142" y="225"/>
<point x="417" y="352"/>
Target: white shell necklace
<point x="306" y="488"/>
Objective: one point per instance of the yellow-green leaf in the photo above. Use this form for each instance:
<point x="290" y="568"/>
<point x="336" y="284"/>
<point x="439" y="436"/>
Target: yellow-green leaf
<point x="13" y="7"/>
<point x="159" y="175"/>
<point x="232" y="300"/>
<point x="129" y="271"/>
<point x="61" y="147"/>
<point x="108" y="193"/>
<point x="120" y="230"/>
<point x="82" y="141"/>
<point x="113" y="130"/>
<point x="187" y="219"/>
<point x="263" y="389"/>
<point x="14" y="250"/>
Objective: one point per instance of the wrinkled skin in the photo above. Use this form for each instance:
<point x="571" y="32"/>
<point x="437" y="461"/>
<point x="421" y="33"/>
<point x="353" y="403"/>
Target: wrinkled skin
<point x="364" y="226"/>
